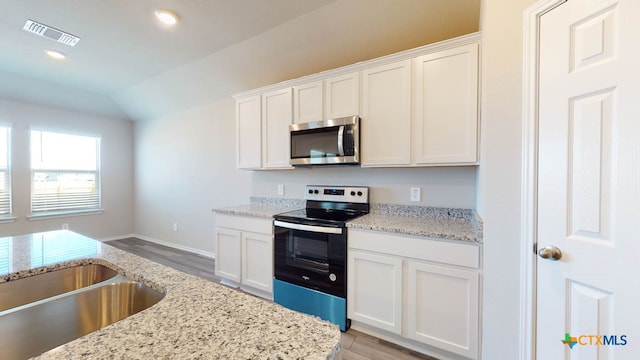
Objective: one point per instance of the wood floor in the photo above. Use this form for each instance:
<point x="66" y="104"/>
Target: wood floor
<point x="355" y="345"/>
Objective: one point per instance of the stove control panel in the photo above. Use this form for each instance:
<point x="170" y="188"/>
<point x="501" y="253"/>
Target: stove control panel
<point x="354" y="194"/>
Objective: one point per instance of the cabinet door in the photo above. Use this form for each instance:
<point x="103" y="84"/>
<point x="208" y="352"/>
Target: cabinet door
<point x="342" y="96"/>
<point x="227" y="264"/>
<point x="249" y="133"/>
<point x="308" y="102"/>
<point x="257" y="261"/>
<point x="386" y="115"/>
<point x="374" y="290"/>
<point x="443" y="307"/>
<point x="276" y="118"/>
<point x="446" y="107"/>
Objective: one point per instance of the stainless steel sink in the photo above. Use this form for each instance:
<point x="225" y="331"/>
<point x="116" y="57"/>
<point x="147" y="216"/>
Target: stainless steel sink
<point x="32" y="330"/>
<point x="37" y="287"/>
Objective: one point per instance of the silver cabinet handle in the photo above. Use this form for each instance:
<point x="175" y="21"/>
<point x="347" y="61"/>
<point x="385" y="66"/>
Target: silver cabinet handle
<point x="550" y="252"/>
<point x="310" y="228"/>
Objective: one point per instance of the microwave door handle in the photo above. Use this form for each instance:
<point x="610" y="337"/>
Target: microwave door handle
<point x="341" y="140"/>
<point x="311" y="228"/>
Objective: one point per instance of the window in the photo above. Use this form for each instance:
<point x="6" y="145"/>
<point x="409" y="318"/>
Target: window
<point x="5" y="173"/>
<point x="5" y="255"/>
<point x="65" y="173"/>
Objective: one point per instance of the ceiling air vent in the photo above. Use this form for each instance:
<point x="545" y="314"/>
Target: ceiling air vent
<point x="51" y="33"/>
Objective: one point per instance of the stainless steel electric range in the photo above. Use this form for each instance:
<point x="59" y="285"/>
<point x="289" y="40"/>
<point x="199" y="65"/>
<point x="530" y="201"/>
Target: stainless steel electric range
<point x="310" y="251"/>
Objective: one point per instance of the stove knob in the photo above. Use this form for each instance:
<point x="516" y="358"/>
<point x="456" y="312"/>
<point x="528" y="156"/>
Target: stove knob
<point x="359" y="193"/>
<point x="310" y="191"/>
<point x="315" y="191"/>
<point x="353" y="193"/>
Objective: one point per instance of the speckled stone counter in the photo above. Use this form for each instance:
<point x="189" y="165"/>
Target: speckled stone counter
<point x="432" y="222"/>
<point x="197" y="319"/>
<point x="262" y="207"/>
<point x="437" y="223"/>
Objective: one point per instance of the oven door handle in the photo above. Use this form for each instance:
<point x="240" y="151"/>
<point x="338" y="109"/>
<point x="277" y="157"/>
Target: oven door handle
<point x="311" y="228"/>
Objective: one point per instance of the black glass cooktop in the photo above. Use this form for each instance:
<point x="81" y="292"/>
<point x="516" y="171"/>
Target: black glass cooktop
<point x="324" y="213"/>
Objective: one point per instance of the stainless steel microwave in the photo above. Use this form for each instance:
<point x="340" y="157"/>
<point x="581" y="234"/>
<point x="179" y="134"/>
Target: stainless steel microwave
<point x="328" y="142"/>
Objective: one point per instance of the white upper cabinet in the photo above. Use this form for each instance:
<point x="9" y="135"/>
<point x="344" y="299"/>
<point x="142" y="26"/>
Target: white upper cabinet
<point x="249" y="132"/>
<point x="276" y="118"/>
<point x="445" y="98"/>
<point x="342" y="96"/>
<point x="418" y="108"/>
<point x="386" y="115"/>
<point x="308" y="102"/>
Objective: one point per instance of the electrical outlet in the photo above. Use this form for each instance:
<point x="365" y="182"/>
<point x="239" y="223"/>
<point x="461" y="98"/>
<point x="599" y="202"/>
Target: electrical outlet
<point x="175" y="227"/>
<point x="415" y="194"/>
<point x="65" y="226"/>
<point x="280" y="189"/>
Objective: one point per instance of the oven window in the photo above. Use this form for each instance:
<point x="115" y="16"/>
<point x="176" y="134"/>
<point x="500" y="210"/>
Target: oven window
<point x="308" y="251"/>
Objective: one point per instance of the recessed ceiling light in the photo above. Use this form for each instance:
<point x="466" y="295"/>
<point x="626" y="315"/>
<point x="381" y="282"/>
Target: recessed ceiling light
<point x="55" y="54"/>
<point x="167" y="17"/>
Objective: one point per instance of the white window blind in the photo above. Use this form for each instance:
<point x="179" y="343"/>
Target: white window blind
<point x="5" y="173"/>
<point x="65" y="173"/>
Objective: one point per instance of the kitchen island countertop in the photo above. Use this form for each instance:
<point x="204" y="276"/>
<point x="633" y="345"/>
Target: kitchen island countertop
<point x="197" y="319"/>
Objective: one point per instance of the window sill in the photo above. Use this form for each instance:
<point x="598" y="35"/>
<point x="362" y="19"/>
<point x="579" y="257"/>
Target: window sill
<point x="53" y="215"/>
<point x="8" y="219"/>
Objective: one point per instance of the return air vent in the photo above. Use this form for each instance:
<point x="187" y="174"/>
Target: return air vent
<point x="51" y="33"/>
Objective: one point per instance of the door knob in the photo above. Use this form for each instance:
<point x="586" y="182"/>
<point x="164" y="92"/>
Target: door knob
<point x="550" y="252"/>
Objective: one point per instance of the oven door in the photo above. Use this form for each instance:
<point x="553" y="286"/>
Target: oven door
<point x="311" y="256"/>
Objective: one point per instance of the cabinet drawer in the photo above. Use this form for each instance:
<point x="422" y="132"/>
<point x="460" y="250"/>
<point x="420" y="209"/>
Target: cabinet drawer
<point x="245" y="223"/>
<point x="450" y="253"/>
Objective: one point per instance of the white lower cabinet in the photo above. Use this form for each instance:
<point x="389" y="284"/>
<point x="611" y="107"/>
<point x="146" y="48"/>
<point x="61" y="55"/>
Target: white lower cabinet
<point x="376" y="283"/>
<point x="244" y="253"/>
<point x="417" y="292"/>
<point x="228" y="262"/>
<point x="443" y="307"/>
<point x="257" y="261"/>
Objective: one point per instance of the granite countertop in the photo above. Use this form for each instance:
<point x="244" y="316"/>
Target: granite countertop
<point x="436" y="223"/>
<point x="197" y="319"/>
<point x="262" y="207"/>
<point x="432" y="222"/>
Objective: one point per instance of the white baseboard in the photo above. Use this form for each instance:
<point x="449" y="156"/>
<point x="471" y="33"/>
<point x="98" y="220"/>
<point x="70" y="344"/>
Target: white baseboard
<point x="165" y="243"/>
<point x="117" y="237"/>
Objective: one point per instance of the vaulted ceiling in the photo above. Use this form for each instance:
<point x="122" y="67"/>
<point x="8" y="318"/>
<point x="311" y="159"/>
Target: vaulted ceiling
<point x="126" y="65"/>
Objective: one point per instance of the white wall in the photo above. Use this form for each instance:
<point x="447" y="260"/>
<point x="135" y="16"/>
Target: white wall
<point x="442" y="187"/>
<point x="185" y="166"/>
<point x="499" y="175"/>
<point x="116" y="169"/>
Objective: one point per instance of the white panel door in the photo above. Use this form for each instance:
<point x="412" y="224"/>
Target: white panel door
<point x="445" y="121"/>
<point x="342" y="96"/>
<point x="589" y="181"/>
<point x="257" y="261"/>
<point x="277" y="115"/>
<point x="386" y="115"/>
<point x="443" y="307"/>
<point x="228" y="260"/>
<point x="308" y="102"/>
<point x="249" y="133"/>
<point x="374" y="290"/>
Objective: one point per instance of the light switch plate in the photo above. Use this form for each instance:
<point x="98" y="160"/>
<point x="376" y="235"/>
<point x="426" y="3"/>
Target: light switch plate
<point x="280" y="189"/>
